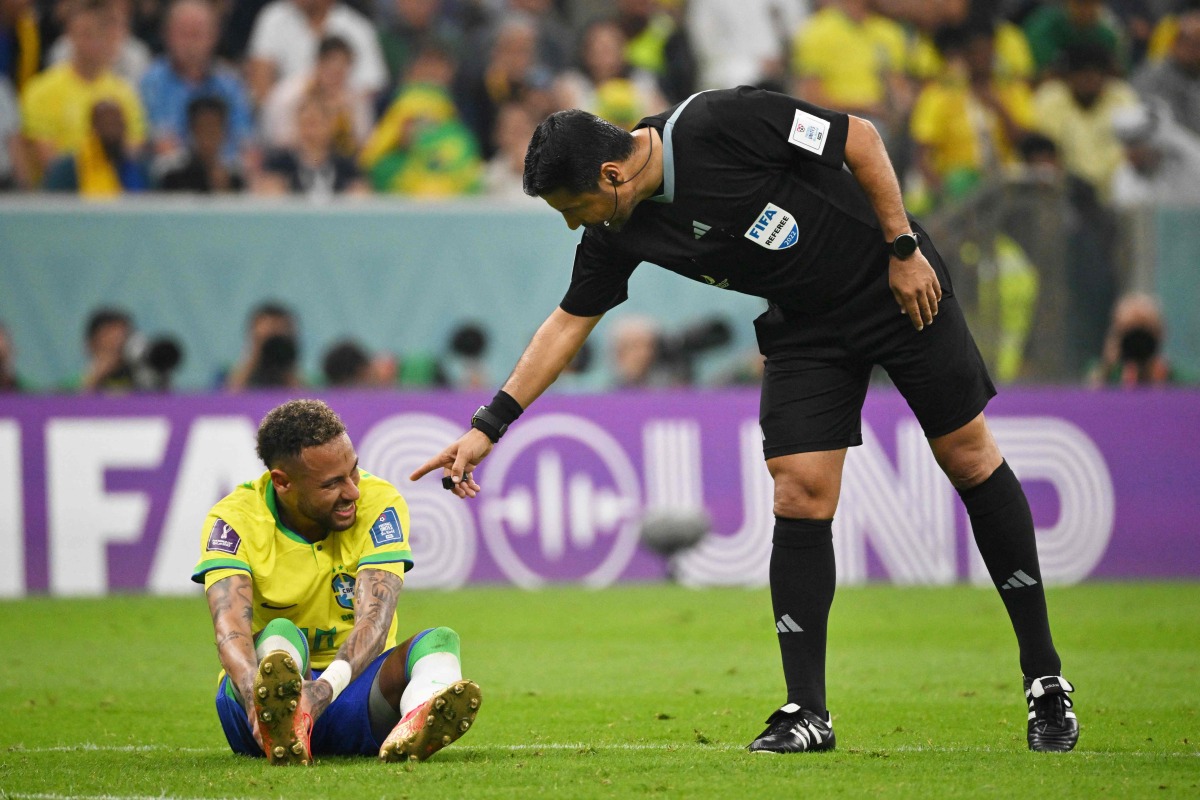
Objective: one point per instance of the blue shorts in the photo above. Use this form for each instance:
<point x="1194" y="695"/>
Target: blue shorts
<point x="343" y="730"/>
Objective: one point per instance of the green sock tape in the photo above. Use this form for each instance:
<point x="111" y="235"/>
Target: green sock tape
<point x="435" y="640"/>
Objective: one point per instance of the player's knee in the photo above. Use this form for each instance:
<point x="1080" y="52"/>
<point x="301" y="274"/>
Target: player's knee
<point x="442" y="639"/>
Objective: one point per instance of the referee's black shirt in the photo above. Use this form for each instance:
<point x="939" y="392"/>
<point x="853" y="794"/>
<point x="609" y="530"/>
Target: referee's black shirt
<point x="755" y="199"/>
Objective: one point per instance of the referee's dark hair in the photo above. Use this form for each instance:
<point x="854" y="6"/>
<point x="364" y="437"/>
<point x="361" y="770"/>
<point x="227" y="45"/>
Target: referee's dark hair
<point x="293" y="426"/>
<point x="566" y="152"/>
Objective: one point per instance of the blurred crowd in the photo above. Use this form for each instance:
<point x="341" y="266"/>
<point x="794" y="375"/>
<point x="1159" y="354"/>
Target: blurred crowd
<point x="436" y="98"/>
<point x="119" y="358"/>
<point x="639" y="354"/>
<point x="439" y="97"/>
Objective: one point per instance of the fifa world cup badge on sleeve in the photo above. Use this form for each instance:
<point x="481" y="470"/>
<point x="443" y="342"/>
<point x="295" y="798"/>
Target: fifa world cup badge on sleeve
<point x="386" y="529"/>
<point x="223" y="538"/>
<point x="809" y="132"/>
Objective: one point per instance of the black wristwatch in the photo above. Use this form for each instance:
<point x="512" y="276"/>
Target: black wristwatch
<point x="904" y="245"/>
<point x="489" y="423"/>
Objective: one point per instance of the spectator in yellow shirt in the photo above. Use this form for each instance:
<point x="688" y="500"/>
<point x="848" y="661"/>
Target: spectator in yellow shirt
<point x="966" y="125"/>
<point x="1013" y="56"/>
<point x="56" y="106"/>
<point x="849" y="58"/>
<point x="421" y="147"/>
<point x="1076" y="112"/>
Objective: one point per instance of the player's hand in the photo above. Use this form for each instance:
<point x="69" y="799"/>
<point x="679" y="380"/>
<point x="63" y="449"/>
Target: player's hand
<point x="458" y="462"/>
<point x="916" y="288"/>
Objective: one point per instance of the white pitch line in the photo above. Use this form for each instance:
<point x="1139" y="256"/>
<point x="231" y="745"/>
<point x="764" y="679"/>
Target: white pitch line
<point x="45" y="796"/>
<point x="110" y="748"/>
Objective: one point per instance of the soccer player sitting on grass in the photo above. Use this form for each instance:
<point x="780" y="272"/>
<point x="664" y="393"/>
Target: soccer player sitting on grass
<point x="302" y="568"/>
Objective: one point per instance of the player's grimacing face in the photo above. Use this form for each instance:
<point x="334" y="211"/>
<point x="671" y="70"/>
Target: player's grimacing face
<point x="326" y="484"/>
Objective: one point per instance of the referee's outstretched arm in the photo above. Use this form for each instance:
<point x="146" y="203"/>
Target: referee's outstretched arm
<point x="913" y="281"/>
<point x="547" y="355"/>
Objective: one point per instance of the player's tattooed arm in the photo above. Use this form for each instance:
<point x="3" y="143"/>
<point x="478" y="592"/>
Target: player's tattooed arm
<point x="375" y="596"/>
<point x="231" y="603"/>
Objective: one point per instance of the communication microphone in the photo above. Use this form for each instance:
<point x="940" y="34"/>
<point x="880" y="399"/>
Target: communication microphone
<point x="612" y="179"/>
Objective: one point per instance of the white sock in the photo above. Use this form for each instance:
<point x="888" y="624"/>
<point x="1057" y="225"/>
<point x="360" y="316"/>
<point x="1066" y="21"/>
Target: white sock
<point x="270" y="644"/>
<point x="430" y="675"/>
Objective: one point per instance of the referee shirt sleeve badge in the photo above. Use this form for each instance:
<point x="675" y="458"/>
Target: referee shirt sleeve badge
<point x="809" y="132"/>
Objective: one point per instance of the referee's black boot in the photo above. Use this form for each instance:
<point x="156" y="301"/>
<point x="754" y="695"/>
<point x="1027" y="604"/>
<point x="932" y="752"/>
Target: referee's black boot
<point x="1052" y="724"/>
<point x="793" y="729"/>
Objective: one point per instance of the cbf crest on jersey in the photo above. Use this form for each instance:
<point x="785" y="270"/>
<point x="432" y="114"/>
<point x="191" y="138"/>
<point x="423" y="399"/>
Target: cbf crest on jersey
<point x="343" y="590"/>
<point x="775" y="229"/>
<point x="809" y="132"/>
<point x="223" y="538"/>
<point x="386" y="529"/>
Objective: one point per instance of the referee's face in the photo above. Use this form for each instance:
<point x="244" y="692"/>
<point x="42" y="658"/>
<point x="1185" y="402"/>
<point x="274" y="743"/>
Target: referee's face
<point x="590" y="209"/>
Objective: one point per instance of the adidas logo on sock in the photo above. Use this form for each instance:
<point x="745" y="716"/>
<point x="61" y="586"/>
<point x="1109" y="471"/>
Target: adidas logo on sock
<point x="788" y="625"/>
<point x="1019" y="580"/>
<point x="699" y="228"/>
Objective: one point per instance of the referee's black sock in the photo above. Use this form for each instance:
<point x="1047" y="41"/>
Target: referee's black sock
<point x="802" y="583"/>
<point x="1003" y="527"/>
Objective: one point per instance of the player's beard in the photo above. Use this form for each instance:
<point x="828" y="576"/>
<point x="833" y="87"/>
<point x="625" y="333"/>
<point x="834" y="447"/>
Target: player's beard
<point x="326" y="518"/>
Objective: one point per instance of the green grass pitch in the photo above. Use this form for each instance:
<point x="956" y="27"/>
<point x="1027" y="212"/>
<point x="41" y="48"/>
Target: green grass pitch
<point x="643" y="691"/>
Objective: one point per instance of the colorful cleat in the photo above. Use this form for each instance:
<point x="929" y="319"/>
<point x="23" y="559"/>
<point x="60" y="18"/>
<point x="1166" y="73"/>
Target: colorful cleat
<point x="437" y="722"/>
<point x="283" y="719"/>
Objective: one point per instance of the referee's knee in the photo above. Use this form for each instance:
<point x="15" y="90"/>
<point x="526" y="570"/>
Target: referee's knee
<point x="802" y="499"/>
<point x="805" y="509"/>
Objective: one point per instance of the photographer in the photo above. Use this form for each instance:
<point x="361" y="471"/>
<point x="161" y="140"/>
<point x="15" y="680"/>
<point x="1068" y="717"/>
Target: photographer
<point x="9" y="381"/>
<point x="1133" y="348"/>
<point x="122" y="360"/>
<point x="272" y="351"/>
<point x="644" y="356"/>
<point x="465" y="359"/>
<point x="109" y="368"/>
<point x="635" y="354"/>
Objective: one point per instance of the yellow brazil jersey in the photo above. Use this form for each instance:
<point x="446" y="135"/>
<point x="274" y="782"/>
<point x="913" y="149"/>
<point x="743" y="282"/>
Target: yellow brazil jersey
<point x="1013" y="59"/>
<point x="851" y="59"/>
<point x="417" y="106"/>
<point x="56" y="106"/>
<point x="309" y="583"/>
<point x="958" y="130"/>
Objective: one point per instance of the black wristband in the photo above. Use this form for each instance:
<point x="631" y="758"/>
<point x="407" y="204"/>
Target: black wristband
<point x="505" y="408"/>
<point x="489" y="423"/>
<point x="494" y="418"/>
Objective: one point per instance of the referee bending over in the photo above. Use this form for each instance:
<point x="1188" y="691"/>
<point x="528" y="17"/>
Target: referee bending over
<point x="771" y="196"/>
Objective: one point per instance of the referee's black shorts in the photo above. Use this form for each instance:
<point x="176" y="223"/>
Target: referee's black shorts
<point x="818" y="367"/>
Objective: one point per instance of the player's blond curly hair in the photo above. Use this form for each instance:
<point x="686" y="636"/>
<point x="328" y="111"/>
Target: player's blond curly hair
<point x="293" y="426"/>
